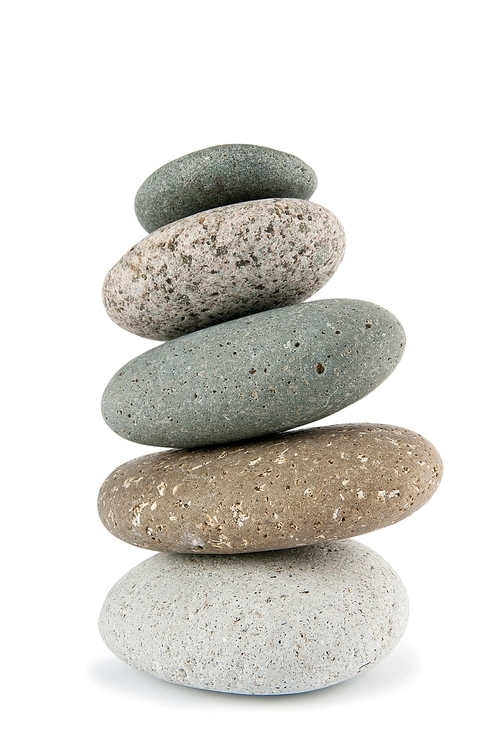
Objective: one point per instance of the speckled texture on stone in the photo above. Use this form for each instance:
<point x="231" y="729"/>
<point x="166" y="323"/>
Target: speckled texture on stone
<point x="222" y="264"/>
<point x="302" y="487"/>
<point x="263" y="624"/>
<point x="256" y="375"/>
<point x="220" y="175"/>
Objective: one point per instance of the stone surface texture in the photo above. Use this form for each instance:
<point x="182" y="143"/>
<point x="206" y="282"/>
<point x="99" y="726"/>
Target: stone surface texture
<point x="267" y="624"/>
<point x="220" y="175"/>
<point x="222" y="264"/>
<point x="254" y="376"/>
<point x="302" y="487"/>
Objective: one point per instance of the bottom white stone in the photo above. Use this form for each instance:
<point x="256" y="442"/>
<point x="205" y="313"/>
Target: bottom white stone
<point x="267" y="623"/>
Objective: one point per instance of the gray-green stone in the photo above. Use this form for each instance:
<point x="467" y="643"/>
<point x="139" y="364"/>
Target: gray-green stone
<point x="220" y="175"/>
<point x="256" y="375"/>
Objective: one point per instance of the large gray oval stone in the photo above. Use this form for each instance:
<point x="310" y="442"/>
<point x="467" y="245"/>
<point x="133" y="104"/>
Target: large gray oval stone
<point x="221" y="264"/>
<point x="219" y="175"/>
<point x="264" y="624"/>
<point x="254" y="376"/>
<point x="292" y="489"/>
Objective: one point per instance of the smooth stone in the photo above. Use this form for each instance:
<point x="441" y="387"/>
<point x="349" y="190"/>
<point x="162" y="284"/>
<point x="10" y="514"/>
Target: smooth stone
<point x="262" y="624"/>
<point x="294" y="489"/>
<point x="220" y="175"/>
<point x="254" y="376"/>
<point x="222" y="264"/>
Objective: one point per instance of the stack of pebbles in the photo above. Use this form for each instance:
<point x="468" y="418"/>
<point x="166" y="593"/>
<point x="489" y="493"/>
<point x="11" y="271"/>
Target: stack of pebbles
<point x="257" y="588"/>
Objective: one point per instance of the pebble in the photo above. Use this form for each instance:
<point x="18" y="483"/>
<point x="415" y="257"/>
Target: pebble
<point x="298" y="488"/>
<point x="254" y="376"/>
<point x="261" y="624"/>
<point x="220" y="175"/>
<point x="221" y="264"/>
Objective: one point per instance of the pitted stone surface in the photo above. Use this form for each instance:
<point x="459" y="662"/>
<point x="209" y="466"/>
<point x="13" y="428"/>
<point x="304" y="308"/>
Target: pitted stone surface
<point x="220" y="175"/>
<point x="270" y="623"/>
<point x="222" y="264"/>
<point x="293" y="489"/>
<point x="254" y="376"/>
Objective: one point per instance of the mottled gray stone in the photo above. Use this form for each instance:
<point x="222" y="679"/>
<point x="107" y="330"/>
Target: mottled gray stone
<point x="224" y="263"/>
<point x="262" y="624"/>
<point x="219" y="175"/>
<point x="254" y="376"/>
<point x="293" y="489"/>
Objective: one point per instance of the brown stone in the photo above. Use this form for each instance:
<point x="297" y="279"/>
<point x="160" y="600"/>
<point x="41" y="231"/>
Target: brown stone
<point x="291" y="489"/>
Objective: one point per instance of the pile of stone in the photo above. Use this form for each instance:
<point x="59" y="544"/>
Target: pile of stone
<point x="257" y="587"/>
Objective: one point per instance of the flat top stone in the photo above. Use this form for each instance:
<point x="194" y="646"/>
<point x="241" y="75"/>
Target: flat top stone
<point x="220" y="175"/>
<point x="292" y="489"/>
<point x="268" y="623"/>
<point x="221" y="264"/>
<point x="254" y="376"/>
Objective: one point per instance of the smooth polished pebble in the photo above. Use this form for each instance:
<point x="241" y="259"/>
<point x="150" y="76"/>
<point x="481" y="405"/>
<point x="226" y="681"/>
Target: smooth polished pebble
<point x="254" y="376"/>
<point x="220" y="175"/>
<point x="222" y="264"/>
<point x="270" y="623"/>
<point x="301" y="487"/>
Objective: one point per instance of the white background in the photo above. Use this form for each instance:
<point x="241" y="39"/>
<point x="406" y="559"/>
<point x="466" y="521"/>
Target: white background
<point x="395" y="106"/>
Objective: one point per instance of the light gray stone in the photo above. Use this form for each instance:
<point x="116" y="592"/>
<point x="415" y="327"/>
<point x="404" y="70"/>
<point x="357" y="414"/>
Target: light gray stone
<point x="222" y="264"/>
<point x="220" y="175"/>
<point x="254" y="376"/>
<point x="297" y="488"/>
<point x="263" y="624"/>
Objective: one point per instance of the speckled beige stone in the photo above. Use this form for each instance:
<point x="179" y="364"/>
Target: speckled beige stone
<point x="221" y="264"/>
<point x="288" y="490"/>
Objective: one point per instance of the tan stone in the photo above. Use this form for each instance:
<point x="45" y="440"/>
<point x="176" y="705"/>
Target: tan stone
<point x="224" y="263"/>
<point x="291" y="489"/>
